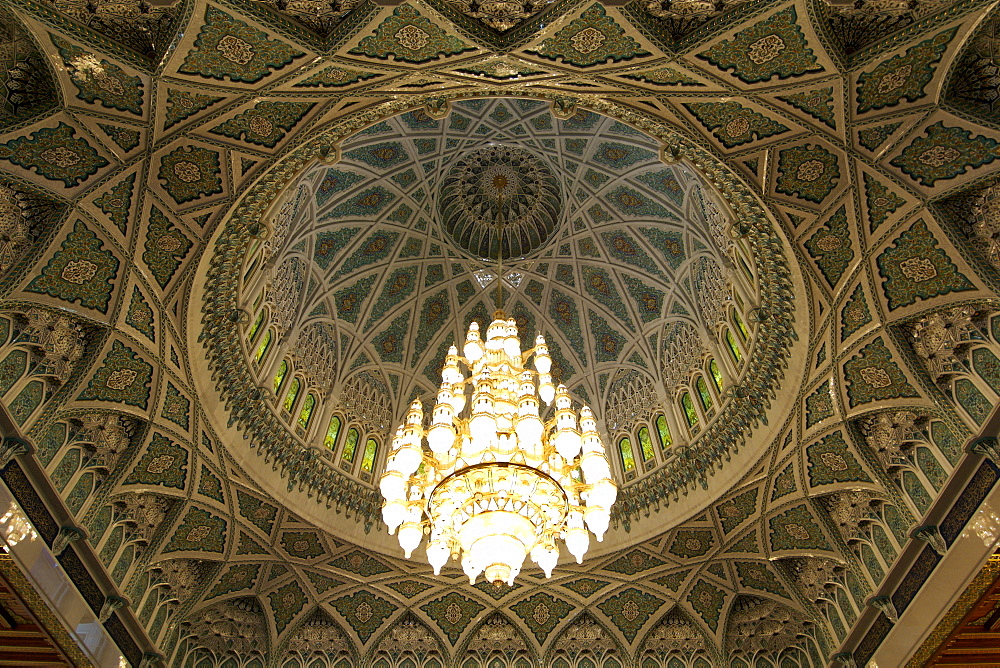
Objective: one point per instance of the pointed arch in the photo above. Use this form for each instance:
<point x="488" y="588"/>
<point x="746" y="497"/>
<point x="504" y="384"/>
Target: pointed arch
<point x="583" y="640"/>
<point x="318" y="640"/>
<point x="759" y="627"/>
<point x="497" y="641"/>
<point x="408" y="643"/>
<point x="676" y="636"/>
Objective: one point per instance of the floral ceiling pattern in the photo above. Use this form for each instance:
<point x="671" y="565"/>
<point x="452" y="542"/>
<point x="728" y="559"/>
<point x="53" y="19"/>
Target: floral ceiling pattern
<point x="223" y="275"/>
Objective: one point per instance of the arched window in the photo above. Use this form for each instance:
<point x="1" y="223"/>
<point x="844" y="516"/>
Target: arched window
<point x="713" y="369"/>
<point x="264" y="345"/>
<point x="350" y="446"/>
<point x="690" y="414"/>
<point x="255" y="327"/>
<point x="663" y="430"/>
<point x="279" y="377"/>
<point x="368" y="460"/>
<point x="332" y="432"/>
<point x="645" y="444"/>
<point x="741" y="328"/>
<point x="307" y="410"/>
<point x="703" y="394"/>
<point x="293" y="394"/>
<point x="734" y="348"/>
<point x="628" y="456"/>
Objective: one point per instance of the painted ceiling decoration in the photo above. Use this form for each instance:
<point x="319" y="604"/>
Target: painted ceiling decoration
<point x="238" y="237"/>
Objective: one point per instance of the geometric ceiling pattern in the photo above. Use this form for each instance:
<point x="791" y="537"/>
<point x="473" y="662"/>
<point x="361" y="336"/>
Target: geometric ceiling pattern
<point x="803" y="195"/>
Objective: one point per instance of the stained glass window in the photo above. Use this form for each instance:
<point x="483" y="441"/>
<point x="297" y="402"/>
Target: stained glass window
<point x="307" y="410"/>
<point x="689" y="412"/>
<point x="713" y="369"/>
<point x="262" y="349"/>
<point x="368" y="461"/>
<point x="628" y="457"/>
<point x="663" y="429"/>
<point x="741" y="328"/>
<point x="734" y="347"/>
<point x="703" y="393"/>
<point x="255" y="327"/>
<point x="645" y="444"/>
<point x="332" y="432"/>
<point x="293" y="394"/>
<point x="279" y="377"/>
<point x="351" y="446"/>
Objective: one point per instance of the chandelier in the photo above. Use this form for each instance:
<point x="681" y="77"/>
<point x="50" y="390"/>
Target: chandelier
<point x="489" y="480"/>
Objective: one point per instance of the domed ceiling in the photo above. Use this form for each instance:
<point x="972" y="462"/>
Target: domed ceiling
<point x="236" y="239"/>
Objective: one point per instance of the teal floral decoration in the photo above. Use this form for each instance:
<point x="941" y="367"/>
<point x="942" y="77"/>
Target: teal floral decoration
<point x="100" y="80"/>
<point x="541" y="613"/>
<point x="585" y="587"/>
<point x="434" y="315"/>
<point x="56" y="154"/>
<point x="855" y="314"/>
<point x="410" y="588"/>
<point x="259" y="513"/>
<point x="364" y="612"/>
<point x="630" y="610"/>
<point x="410" y="37"/>
<point x="227" y="47"/>
<point x="691" y="543"/>
<point x="350" y="300"/>
<point x="189" y="172"/>
<point x="367" y="204"/>
<point x="496" y="591"/>
<point x="669" y="242"/>
<point x="732" y="123"/>
<point x="453" y="613"/>
<point x="123" y="377"/>
<point x="831" y="247"/>
<point x="808" y="172"/>
<point x="199" y="531"/>
<point x="623" y="247"/>
<point x="648" y="300"/>
<point x="164" y="463"/>
<point x="817" y="103"/>
<point x="784" y="483"/>
<point x="266" y="123"/>
<point x="397" y="286"/>
<point x="737" y="510"/>
<point x="758" y="576"/>
<point x="796" y="529"/>
<point x="248" y="545"/>
<point x="165" y="247"/>
<point x="636" y="561"/>
<point x="609" y="344"/>
<point x="124" y="138"/>
<point x="592" y="38"/>
<point x="359" y="563"/>
<point x="773" y="47"/>
<point x="209" y="485"/>
<point x="873" y="137"/>
<point x="903" y="76"/>
<point x="672" y="581"/>
<point x="381" y="156"/>
<point x="599" y="285"/>
<point x="389" y="343"/>
<point x="329" y="243"/>
<point x="831" y="461"/>
<point x="321" y="583"/>
<point x="663" y="76"/>
<point x="620" y="156"/>
<point x="944" y="153"/>
<point x="117" y="202"/>
<point x="140" y="315"/>
<point x="335" y="77"/>
<point x="708" y="601"/>
<point x="239" y="577"/>
<point x="80" y="271"/>
<point x="302" y="544"/>
<point x="565" y="315"/>
<point x="286" y="602"/>
<point x="176" y="407"/>
<point x="914" y="267"/>
<point x="881" y="201"/>
<point x="872" y="375"/>
<point x="182" y="104"/>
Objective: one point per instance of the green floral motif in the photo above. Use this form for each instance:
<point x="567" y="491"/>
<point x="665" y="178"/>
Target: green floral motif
<point x="500" y="70"/>
<point x="434" y="314"/>
<point x="708" y="601"/>
<point x="691" y="543"/>
<point x="410" y="588"/>
<point x="116" y="202"/>
<point x="188" y="172"/>
<point x="226" y="47"/>
<point x="872" y="375"/>
<point x="663" y="76"/>
<point x="758" y="576"/>
<point x="902" y="76"/>
<point x="737" y="510"/>
<point x="796" y="529"/>
<point x="592" y="38"/>
<point x="164" y="463"/>
<point x="634" y="562"/>
<point x="286" y="602"/>
<point x="176" y="407"/>
<point x="855" y="314"/>
<point x="335" y="77"/>
<point x="302" y="544"/>
<point x="321" y="583"/>
<point x="259" y="513"/>
<point x="816" y="103"/>
<point x="585" y="587"/>
<point x="775" y="46"/>
<point x="732" y="123"/>
<point x="238" y="578"/>
<point x="397" y="286"/>
<point x="495" y="591"/>
<point x="831" y="247"/>
<point x="165" y="247"/>
<point x="872" y="138"/>
<point x="56" y="154"/>
<point x="648" y="300"/>
<point x="200" y="531"/>
<point x="248" y="545"/>
<point x="364" y="611"/>
<point x="100" y="80"/>
<point x="630" y="610"/>
<point x="881" y="201"/>
<point x="359" y="563"/>
<point x="389" y="343"/>
<point x="915" y="268"/>
<point x="266" y="123"/>
<point x="944" y="153"/>
<point x="672" y="581"/>
<point x="808" y="172"/>
<point x="784" y="483"/>
<point x="209" y="485"/>
<point x="601" y="287"/>
<point x="140" y="315"/>
<point x="80" y="271"/>
<point x="182" y="104"/>
<point x="124" y="377"/>
<point x="410" y="37"/>
<point x="124" y="138"/>
<point x="453" y="613"/>
<point x="831" y="461"/>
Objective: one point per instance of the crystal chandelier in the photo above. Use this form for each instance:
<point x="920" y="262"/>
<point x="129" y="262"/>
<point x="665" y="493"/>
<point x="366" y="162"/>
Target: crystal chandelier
<point x="489" y="481"/>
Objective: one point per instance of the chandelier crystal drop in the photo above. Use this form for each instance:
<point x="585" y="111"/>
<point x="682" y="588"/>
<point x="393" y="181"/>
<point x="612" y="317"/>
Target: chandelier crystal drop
<point x="488" y="480"/>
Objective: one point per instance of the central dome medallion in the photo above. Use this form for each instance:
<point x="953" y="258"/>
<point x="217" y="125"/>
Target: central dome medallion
<point x="499" y="202"/>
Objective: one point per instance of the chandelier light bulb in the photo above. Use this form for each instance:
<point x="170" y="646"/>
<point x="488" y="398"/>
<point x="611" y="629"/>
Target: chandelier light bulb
<point x="493" y="479"/>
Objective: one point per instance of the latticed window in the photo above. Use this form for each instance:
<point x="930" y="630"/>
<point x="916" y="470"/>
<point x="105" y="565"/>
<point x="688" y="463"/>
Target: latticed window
<point x="690" y="413"/>
<point x="307" y="410"/>
<point x="663" y="431"/>
<point x="628" y="457"/>
<point x="293" y="394"/>
<point x="262" y="348"/>
<point x="332" y="432"/>
<point x="279" y="377"/>
<point x="734" y="348"/>
<point x="713" y="369"/>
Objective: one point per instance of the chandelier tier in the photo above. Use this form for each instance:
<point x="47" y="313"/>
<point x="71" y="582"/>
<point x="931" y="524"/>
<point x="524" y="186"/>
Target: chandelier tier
<point x="489" y="480"/>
